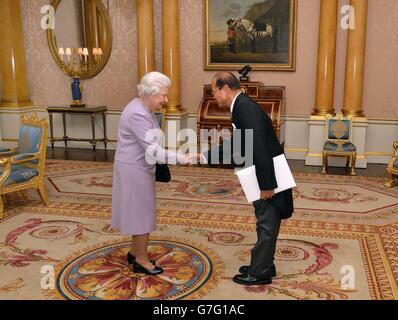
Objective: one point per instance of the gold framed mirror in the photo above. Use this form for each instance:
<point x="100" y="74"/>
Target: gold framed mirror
<point x="81" y="42"/>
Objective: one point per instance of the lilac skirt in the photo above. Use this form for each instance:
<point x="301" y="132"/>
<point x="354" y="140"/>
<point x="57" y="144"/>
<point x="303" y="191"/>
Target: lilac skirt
<point x="133" y="199"/>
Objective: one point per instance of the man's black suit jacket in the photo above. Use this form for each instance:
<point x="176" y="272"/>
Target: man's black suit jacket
<point x="247" y="114"/>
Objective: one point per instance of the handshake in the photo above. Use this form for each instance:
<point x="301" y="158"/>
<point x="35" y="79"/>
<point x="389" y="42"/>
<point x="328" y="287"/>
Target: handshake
<point x="195" y="158"/>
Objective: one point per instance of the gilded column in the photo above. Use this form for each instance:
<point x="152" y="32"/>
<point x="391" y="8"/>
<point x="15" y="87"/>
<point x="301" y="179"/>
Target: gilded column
<point x="355" y="61"/>
<point x="171" y="53"/>
<point x="145" y="29"/>
<point x="15" y="92"/>
<point x="326" y="58"/>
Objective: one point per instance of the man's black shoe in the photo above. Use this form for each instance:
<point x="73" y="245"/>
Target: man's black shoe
<point x="249" y="280"/>
<point x="245" y="270"/>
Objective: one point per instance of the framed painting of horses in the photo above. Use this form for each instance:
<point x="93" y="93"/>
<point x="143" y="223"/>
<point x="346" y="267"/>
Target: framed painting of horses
<point x="259" y="33"/>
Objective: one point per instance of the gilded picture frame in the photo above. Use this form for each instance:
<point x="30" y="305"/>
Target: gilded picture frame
<point x="258" y="33"/>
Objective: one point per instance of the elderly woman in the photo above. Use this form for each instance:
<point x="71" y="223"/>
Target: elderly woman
<point x="138" y="149"/>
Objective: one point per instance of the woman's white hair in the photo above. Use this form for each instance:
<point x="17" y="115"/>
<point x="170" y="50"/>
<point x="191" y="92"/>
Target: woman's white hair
<point x="152" y="83"/>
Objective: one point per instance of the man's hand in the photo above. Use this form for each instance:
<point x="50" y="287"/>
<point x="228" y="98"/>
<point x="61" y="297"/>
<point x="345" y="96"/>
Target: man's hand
<point x="267" y="194"/>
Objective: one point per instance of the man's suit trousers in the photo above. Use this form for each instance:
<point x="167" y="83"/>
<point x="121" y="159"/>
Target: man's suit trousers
<point x="267" y="226"/>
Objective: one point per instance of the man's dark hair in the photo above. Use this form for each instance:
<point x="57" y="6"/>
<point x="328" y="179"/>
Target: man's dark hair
<point x="227" y="78"/>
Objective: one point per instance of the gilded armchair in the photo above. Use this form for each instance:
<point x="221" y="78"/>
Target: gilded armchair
<point x="23" y="167"/>
<point x="392" y="167"/>
<point x="338" y="141"/>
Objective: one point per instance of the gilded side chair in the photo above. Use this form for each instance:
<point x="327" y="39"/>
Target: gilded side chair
<point x="392" y="167"/>
<point x="338" y="141"/>
<point x="23" y="167"/>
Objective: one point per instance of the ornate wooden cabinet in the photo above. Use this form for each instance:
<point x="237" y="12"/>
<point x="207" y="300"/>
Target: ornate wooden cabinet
<point x="270" y="98"/>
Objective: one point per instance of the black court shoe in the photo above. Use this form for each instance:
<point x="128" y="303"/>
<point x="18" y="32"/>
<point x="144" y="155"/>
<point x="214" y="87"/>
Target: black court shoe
<point x="137" y="268"/>
<point x="245" y="270"/>
<point x="131" y="259"/>
<point x="248" y="280"/>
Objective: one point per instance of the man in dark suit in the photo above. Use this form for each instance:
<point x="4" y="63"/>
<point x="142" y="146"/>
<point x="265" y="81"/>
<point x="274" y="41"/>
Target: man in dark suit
<point x="271" y="208"/>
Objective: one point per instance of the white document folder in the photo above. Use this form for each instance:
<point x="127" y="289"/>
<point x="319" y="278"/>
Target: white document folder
<point x="283" y="175"/>
<point x="249" y="182"/>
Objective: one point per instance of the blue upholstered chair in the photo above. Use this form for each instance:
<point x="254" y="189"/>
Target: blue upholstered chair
<point x="23" y="167"/>
<point x="338" y="141"/>
<point x="392" y="167"/>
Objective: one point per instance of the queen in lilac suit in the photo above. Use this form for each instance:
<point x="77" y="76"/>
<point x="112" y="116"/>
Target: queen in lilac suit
<point x="139" y="147"/>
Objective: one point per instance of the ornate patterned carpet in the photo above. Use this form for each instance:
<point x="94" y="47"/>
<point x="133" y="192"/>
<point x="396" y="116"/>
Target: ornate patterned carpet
<point x="342" y="242"/>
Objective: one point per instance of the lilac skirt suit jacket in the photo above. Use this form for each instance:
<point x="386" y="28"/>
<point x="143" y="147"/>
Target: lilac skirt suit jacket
<point x="139" y="147"/>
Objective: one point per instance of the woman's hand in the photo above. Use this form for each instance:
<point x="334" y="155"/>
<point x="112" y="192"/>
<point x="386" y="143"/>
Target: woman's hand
<point x="188" y="160"/>
<point x="195" y="157"/>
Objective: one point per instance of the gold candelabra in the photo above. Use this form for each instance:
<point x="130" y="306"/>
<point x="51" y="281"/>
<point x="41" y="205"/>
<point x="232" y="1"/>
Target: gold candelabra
<point x="78" y="61"/>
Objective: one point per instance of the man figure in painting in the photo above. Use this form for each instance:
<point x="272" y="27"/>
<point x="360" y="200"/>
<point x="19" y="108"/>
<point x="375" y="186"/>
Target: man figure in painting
<point x="231" y="36"/>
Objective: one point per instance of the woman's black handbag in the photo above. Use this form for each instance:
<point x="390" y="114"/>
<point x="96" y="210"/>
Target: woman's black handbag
<point x="162" y="173"/>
